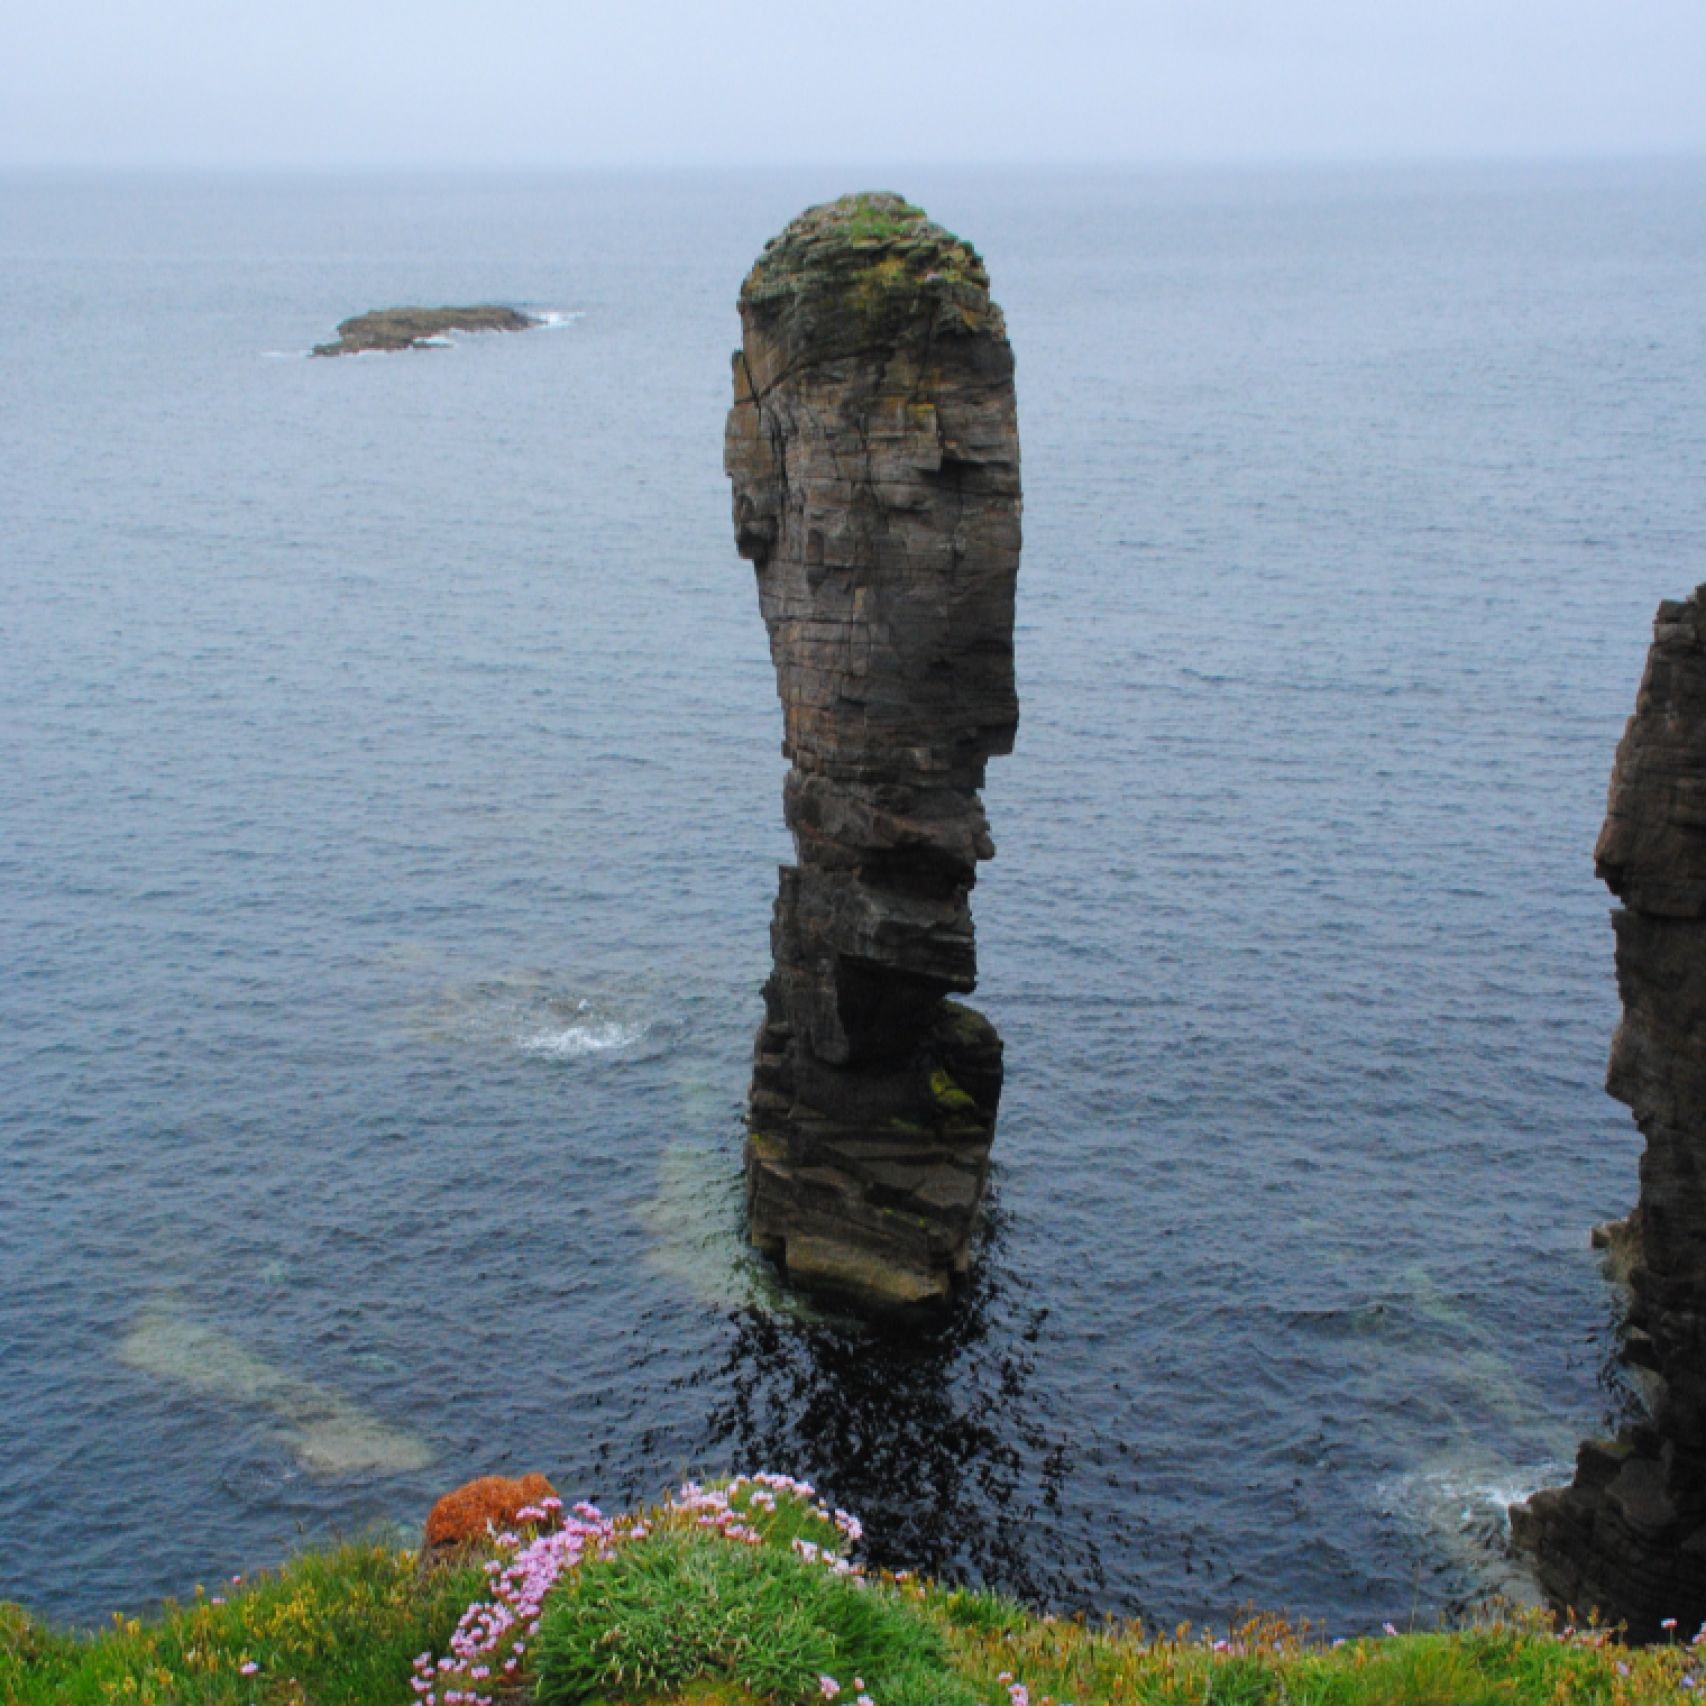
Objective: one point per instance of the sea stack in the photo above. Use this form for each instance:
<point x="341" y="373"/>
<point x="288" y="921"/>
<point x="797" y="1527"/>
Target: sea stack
<point x="1628" y="1536"/>
<point x="874" y="450"/>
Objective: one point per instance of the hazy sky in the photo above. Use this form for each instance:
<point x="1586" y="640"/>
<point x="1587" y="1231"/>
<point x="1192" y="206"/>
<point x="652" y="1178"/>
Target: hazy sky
<point x="555" y="83"/>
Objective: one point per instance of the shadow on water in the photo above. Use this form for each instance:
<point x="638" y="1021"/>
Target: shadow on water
<point x="934" y="1439"/>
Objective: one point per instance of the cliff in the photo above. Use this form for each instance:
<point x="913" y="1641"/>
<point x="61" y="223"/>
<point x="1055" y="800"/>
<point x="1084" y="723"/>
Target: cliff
<point x="874" y="454"/>
<point x="1629" y="1534"/>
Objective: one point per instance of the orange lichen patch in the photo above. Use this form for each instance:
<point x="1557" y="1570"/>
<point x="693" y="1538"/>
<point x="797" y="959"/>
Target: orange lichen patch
<point x="489" y="1506"/>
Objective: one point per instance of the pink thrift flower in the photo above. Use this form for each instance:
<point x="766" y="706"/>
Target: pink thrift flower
<point x="829" y="1687"/>
<point x="247" y="1668"/>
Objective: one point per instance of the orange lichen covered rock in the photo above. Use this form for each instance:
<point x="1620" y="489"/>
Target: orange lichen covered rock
<point x="488" y="1506"/>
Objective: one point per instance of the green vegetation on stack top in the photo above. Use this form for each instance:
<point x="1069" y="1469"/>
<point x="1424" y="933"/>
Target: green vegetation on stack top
<point x="742" y="1596"/>
<point x="872" y="255"/>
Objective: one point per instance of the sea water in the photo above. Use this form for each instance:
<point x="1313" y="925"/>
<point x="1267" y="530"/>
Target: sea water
<point x="390" y="804"/>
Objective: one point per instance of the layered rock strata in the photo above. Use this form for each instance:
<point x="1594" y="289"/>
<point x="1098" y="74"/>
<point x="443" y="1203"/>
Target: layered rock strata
<point x="874" y="452"/>
<point x="1628" y="1536"/>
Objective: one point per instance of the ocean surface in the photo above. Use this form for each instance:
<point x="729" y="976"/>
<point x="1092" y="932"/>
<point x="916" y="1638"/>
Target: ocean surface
<point x="390" y="802"/>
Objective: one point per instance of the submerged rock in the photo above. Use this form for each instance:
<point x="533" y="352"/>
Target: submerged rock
<point x="327" y="1433"/>
<point x="1628" y="1535"/>
<point x="873" y="448"/>
<point x="415" y="328"/>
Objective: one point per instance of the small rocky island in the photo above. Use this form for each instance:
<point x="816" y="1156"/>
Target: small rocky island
<point x="874" y="451"/>
<point x="1628" y="1535"/>
<point x="417" y="328"/>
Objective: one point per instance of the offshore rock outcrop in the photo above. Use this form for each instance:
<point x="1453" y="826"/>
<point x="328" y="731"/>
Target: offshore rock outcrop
<point x="873" y="447"/>
<point x="1629" y="1534"/>
<point x="420" y="328"/>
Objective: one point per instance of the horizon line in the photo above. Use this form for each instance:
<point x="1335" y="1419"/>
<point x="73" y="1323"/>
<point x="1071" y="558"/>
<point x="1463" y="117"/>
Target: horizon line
<point x="1526" y="155"/>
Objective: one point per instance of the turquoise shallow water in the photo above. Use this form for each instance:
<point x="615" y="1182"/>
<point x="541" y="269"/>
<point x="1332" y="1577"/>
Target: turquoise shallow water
<point x="390" y="800"/>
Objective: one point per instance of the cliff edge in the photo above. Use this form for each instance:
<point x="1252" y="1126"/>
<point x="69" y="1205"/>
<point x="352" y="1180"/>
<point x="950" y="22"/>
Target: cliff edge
<point x="1628" y="1535"/>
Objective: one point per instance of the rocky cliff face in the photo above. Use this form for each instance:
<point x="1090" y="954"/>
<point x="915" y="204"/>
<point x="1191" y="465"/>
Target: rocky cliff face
<point x="1629" y="1534"/>
<point x="874" y="453"/>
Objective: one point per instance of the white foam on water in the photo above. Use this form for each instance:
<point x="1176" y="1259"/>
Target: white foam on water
<point x="554" y="319"/>
<point x="1467" y="1499"/>
<point x="1464" y="1508"/>
<point x="580" y="1037"/>
<point x="527" y="1012"/>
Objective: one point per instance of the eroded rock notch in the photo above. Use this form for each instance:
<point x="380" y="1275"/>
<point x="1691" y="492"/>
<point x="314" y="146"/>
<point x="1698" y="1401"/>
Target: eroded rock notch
<point x="1628" y="1536"/>
<point x="874" y="451"/>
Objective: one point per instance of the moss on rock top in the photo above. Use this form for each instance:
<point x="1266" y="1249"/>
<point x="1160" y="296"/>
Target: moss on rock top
<point x="875" y="258"/>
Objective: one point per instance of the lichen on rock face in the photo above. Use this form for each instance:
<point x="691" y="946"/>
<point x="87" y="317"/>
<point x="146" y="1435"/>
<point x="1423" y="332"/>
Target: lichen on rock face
<point x="1628" y="1536"/>
<point x="873" y="450"/>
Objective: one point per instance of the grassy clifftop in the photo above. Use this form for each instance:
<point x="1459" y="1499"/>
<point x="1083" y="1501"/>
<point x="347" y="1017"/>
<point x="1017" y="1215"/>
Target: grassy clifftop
<point x="743" y="1595"/>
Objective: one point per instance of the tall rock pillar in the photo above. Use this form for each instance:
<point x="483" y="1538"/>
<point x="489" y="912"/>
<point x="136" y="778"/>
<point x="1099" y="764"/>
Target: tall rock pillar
<point x="874" y="452"/>
<point x="1629" y="1534"/>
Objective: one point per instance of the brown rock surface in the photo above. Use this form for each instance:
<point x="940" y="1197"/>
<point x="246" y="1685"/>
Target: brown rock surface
<point x="1628" y="1535"/>
<point x="873" y="447"/>
<point x="480" y="1508"/>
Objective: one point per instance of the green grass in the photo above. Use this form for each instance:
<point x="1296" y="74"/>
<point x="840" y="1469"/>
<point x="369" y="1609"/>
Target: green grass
<point x="333" y="1628"/>
<point x="680" y="1611"/>
<point x="874" y="223"/>
<point x="679" y="1608"/>
<point x="1267" y="1663"/>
